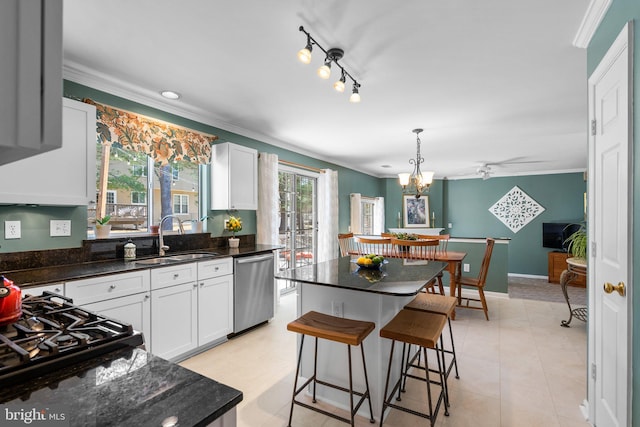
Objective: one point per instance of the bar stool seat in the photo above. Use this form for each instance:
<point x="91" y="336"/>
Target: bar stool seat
<point x="346" y="331"/>
<point x="444" y="306"/>
<point x="424" y="330"/>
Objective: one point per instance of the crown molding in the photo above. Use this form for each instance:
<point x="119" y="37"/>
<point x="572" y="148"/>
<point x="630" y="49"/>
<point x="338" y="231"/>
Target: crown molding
<point x="592" y="18"/>
<point x="80" y="74"/>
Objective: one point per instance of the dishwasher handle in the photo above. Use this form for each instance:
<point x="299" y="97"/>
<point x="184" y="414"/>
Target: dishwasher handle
<point x="250" y="259"/>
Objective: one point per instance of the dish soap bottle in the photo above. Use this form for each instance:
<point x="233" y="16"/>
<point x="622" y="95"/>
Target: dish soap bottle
<point x="130" y="250"/>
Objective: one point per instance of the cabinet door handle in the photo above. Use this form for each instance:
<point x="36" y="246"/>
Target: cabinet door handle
<point x="216" y="269"/>
<point x="112" y="287"/>
<point x="202" y="284"/>
<point x="146" y="297"/>
<point x="175" y="276"/>
<point x="195" y="285"/>
<point x="58" y="290"/>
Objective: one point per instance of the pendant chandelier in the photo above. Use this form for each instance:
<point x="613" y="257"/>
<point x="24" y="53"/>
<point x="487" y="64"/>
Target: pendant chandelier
<point x="417" y="182"/>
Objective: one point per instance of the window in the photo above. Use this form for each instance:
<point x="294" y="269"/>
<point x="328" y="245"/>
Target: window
<point x="139" y="170"/>
<point x="368" y="216"/>
<point x="111" y="197"/>
<point x="148" y="189"/>
<point x="138" y="198"/>
<point x="180" y="204"/>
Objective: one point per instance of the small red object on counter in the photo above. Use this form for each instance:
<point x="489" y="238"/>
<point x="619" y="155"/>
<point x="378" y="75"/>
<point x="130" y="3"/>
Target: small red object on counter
<point x="10" y="302"/>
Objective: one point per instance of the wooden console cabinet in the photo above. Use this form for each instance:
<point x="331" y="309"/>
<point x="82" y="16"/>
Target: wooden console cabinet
<point x="557" y="264"/>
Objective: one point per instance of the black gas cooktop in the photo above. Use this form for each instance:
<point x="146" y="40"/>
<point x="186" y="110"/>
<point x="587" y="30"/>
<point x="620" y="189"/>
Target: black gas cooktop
<point x="52" y="333"/>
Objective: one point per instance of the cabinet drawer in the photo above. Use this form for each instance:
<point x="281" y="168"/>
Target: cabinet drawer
<point x="215" y="268"/>
<point x="102" y="288"/>
<point x="174" y="275"/>
<point x="57" y="288"/>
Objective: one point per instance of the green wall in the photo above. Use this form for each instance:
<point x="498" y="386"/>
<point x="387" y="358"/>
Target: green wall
<point x="619" y="13"/>
<point x="467" y="209"/>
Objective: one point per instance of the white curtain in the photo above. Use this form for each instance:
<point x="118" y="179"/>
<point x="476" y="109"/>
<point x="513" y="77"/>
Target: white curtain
<point x="378" y="216"/>
<point x="327" y="215"/>
<point x="268" y="213"/>
<point x="356" y="213"/>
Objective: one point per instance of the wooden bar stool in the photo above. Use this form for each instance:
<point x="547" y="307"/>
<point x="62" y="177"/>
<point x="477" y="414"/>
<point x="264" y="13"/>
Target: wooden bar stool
<point x="422" y="329"/>
<point x="346" y="331"/>
<point x="445" y="306"/>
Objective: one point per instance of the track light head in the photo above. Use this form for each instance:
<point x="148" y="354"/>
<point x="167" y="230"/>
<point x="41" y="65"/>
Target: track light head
<point x="324" y="72"/>
<point x="339" y="85"/>
<point x="355" y="96"/>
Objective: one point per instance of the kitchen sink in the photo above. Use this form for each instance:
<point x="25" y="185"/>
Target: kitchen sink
<point x="186" y="257"/>
<point x="175" y="258"/>
<point x="156" y="261"/>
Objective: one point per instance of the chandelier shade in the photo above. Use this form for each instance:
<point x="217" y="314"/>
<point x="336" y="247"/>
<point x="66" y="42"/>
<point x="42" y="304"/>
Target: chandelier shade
<point x="417" y="182"/>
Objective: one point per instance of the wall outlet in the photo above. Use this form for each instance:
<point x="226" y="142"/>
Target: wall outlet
<point x="59" y="227"/>
<point x="337" y="308"/>
<point x="450" y="225"/>
<point x="12" y="230"/>
<point x="465" y="268"/>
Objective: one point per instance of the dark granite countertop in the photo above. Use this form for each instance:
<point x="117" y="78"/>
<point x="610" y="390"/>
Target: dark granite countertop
<point x="126" y="387"/>
<point x="62" y="273"/>
<point x="398" y="277"/>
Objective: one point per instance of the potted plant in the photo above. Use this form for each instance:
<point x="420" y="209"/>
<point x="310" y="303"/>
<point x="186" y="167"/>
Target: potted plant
<point x="233" y="225"/>
<point x="577" y="243"/>
<point x="103" y="228"/>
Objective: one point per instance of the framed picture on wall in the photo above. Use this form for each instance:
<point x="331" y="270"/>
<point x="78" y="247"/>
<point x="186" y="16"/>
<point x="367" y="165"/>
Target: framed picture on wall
<point x="416" y="211"/>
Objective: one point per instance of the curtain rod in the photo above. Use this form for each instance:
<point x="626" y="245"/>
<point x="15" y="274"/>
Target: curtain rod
<point x="301" y="166"/>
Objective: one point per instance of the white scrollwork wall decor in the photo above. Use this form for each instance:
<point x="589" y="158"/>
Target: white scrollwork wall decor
<point x="516" y="209"/>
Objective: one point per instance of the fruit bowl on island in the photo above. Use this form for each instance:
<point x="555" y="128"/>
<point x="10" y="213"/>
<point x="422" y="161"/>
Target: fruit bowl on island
<point x="371" y="261"/>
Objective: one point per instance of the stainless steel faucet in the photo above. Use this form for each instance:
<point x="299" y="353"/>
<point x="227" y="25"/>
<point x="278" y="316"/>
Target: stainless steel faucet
<point x="163" y="247"/>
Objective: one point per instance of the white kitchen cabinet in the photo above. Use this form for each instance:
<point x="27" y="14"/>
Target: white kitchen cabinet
<point x="31" y="84"/>
<point x="234" y="177"/>
<point x="132" y="309"/>
<point x="174" y="320"/>
<point x="87" y="291"/>
<point x="215" y="300"/>
<point x="123" y="297"/>
<point x="57" y="288"/>
<point x="66" y="176"/>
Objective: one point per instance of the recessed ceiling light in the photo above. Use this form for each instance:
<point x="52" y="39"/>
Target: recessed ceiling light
<point x="169" y="94"/>
<point x="385" y="166"/>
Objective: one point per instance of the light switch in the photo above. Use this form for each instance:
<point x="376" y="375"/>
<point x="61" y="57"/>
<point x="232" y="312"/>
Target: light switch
<point x="59" y="227"/>
<point x="12" y="230"/>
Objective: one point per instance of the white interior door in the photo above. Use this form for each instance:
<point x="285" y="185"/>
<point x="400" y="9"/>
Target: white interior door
<point x="609" y="231"/>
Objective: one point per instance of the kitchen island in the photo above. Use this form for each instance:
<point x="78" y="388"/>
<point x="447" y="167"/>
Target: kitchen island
<point x="339" y="287"/>
<point x="125" y="387"/>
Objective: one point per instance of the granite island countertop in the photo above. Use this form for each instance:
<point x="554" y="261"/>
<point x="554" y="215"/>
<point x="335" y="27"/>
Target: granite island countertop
<point x="126" y="387"/>
<point x="61" y="273"/>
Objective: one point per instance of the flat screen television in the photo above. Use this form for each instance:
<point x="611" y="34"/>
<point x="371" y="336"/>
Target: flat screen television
<point x="554" y="234"/>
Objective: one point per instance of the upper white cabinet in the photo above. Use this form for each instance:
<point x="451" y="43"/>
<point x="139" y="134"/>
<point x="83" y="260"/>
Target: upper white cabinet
<point x="66" y="176"/>
<point x="234" y="177"/>
<point x="31" y="84"/>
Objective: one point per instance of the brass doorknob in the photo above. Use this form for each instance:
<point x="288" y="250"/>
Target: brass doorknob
<point x="619" y="288"/>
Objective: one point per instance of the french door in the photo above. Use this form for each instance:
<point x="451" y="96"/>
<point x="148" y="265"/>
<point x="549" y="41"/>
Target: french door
<point x="298" y="219"/>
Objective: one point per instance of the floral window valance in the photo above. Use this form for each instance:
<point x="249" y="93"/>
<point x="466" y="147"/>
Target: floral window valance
<point x="162" y="141"/>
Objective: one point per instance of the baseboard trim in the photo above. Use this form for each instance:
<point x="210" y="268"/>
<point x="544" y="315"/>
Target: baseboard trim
<point x="528" y="276"/>
<point x="470" y="293"/>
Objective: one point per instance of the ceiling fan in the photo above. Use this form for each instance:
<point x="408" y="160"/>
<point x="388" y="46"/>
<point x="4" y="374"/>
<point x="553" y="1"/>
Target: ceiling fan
<point x="485" y="169"/>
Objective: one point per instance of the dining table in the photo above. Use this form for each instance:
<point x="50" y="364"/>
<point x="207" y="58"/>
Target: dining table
<point x="341" y="288"/>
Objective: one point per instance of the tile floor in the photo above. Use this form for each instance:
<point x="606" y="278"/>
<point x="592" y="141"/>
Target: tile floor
<point x="519" y="369"/>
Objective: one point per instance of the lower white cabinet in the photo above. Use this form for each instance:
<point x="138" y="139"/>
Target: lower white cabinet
<point x="132" y="309"/>
<point x="191" y="306"/>
<point x="123" y="297"/>
<point x="215" y="319"/>
<point x="57" y="288"/>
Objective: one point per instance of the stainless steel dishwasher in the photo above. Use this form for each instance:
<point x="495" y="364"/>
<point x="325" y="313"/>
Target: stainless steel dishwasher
<point x="253" y="291"/>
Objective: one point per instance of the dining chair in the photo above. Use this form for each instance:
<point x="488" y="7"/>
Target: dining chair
<point x="443" y="241"/>
<point x="346" y="243"/>
<point x="477" y="282"/>
<point x="417" y="250"/>
<point x="373" y="245"/>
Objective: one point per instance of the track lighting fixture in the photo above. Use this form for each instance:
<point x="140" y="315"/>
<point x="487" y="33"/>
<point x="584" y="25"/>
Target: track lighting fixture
<point x="332" y="56"/>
